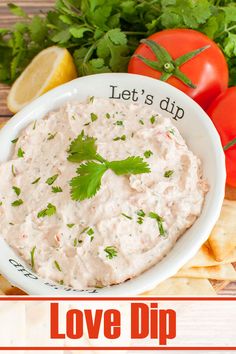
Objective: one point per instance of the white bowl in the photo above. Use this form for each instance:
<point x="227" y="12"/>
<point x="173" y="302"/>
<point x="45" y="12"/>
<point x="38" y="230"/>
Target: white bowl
<point x="202" y="138"/>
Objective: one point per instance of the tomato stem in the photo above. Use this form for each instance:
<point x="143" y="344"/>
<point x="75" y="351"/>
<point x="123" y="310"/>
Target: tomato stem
<point x="166" y="65"/>
<point x="230" y="144"/>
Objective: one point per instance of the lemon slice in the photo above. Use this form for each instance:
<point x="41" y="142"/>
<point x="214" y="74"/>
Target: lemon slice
<point x="50" y="68"/>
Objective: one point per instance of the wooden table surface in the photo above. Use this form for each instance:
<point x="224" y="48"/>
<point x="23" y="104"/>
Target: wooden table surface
<point x="38" y="6"/>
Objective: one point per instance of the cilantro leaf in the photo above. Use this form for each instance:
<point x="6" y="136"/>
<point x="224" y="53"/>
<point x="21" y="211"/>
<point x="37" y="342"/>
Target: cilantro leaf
<point x="20" y="152"/>
<point x="88" y="181"/>
<point x="132" y="165"/>
<point x="185" y="13"/>
<point x="82" y="148"/>
<point x="17" y="203"/>
<point x="49" y="211"/>
<point x="168" y="173"/>
<point x="148" y="153"/>
<point x="17" y="190"/>
<point x="56" y="189"/>
<point x="14" y="141"/>
<point x="51" y="180"/>
<point x="110" y="251"/>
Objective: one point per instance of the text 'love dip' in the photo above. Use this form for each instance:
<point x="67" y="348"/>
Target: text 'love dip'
<point x="98" y="192"/>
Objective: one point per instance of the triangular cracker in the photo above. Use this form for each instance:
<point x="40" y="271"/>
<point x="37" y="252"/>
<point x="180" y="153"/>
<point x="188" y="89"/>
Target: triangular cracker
<point x="220" y="272"/>
<point x="205" y="258"/>
<point x="223" y="237"/>
<point x="182" y="287"/>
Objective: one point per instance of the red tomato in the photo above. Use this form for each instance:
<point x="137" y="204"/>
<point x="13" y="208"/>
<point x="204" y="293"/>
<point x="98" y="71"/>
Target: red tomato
<point x="223" y="114"/>
<point x="208" y="70"/>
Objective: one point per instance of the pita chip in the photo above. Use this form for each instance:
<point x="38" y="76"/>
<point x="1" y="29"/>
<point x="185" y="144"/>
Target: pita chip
<point x="223" y="237"/>
<point x="205" y="258"/>
<point x="183" y="287"/>
<point x="220" y="272"/>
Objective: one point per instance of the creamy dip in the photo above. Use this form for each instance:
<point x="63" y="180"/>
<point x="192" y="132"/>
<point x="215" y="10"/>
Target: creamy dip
<point x="111" y="237"/>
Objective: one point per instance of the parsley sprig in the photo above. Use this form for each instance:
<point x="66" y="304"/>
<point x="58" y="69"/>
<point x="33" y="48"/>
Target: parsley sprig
<point x="102" y="35"/>
<point x="89" y="174"/>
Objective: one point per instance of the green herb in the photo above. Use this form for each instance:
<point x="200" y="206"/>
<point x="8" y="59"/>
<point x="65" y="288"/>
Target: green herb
<point x="11" y="223"/>
<point x="51" y="180"/>
<point x="16" y="190"/>
<point x="61" y="282"/>
<point x="34" y="126"/>
<point x="159" y="220"/>
<point x="148" y="153"/>
<point x="70" y="225"/>
<point x="36" y="181"/>
<point x="230" y="144"/>
<point x="0" y="203"/>
<point x="57" y="266"/>
<point x="172" y="131"/>
<point x="56" y="189"/>
<point x="51" y="136"/>
<point x="32" y="252"/>
<point x="13" y="170"/>
<point x="108" y="116"/>
<point x="127" y="216"/>
<point x="83" y="148"/>
<point x="17" y="203"/>
<point x="88" y="181"/>
<point x="141" y="121"/>
<point x="152" y="119"/>
<point x="103" y="35"/>
<point x="75" y="243"/>
<point x="14" y="141"/>
<point x="123" y="138"/>
<point x="84" y="230"/>
<point x="90" y="232"/>
<point x="20" y="152"/>
<point x="141" y="213"/>
<point x="168" y="173"/>
<point x="119" y="122"/>
<point x="93" y="117"/>
<point x="90" y="173"/>
<point x="49" y="211"/>
<point x="111" y="252"/>
<point x="140" y="220"/>
<point x="91" y="99"/>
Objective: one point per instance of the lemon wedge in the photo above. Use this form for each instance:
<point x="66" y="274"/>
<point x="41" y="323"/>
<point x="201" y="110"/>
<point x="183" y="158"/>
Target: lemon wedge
<point x="50" y="68"/>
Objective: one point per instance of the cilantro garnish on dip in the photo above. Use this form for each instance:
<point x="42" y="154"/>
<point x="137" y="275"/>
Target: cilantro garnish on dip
<point x="114" y="194"/>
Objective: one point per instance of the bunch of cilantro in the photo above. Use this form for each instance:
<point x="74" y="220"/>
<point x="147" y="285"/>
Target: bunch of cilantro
<point x="103" y="34"/>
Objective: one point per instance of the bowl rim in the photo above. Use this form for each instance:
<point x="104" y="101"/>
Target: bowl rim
<point x="129" y="287"/>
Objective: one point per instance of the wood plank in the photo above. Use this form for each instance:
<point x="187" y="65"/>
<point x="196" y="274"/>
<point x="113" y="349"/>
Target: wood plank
<point x="31" y="7"/>
<point x="4" y="89"/>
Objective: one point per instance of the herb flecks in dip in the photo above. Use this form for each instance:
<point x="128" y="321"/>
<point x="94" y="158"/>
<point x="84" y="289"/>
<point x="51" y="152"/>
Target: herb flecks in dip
<point x="131" y="221"/>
